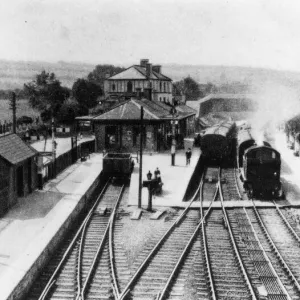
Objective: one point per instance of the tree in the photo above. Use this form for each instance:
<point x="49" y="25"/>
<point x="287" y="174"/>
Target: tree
<point x="86" y="93"/>
<point x="68" y="112"/>
<point x="46" y="94"/>
<point x="13" y="107"/>
<point x="190" y="88"/>
<point x="100" y="72"/>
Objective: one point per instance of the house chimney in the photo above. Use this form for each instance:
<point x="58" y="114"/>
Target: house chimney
<point x="148" y="70"/>
<point x="107" y="75"/>
<point x="144" y="62"/>
<point x="157" y="68"/>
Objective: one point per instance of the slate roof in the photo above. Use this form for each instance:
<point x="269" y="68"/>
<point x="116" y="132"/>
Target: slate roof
<point x="126" y="111"/>
<point x="186" y="109"/>
<point x="14" y="150"/>
<point x="153" y="110"/>
<point x="225" y="96"/>
<point x="138" y="72"/>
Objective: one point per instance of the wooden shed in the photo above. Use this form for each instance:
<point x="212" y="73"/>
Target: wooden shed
<point x="18" y="170"/>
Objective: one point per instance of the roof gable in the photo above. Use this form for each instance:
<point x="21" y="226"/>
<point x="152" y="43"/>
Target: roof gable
<point x="14" y="150"/>
<point x="138" y="72"/>
<point x="130" y="73"/>
<point x="126" y="111"/>
<point x="153" y="74"/>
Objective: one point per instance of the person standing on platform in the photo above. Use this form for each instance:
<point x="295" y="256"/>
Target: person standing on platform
<point x="149" y="175"/>
<point x="188" y="155"/>
<point x="156" y="173"/>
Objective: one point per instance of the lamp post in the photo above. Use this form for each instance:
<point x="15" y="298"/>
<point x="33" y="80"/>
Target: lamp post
<point x="141" y="159"/>
<point x="173" y="145"/>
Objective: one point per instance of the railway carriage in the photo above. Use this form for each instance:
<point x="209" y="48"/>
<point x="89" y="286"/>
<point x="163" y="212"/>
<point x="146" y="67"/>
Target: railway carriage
<point x="259" y="166"/>
<point x="217" y="141"/>
<point x="118" y="165"/>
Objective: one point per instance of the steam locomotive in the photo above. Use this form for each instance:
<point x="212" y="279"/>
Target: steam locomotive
<point x="259" y="166"/>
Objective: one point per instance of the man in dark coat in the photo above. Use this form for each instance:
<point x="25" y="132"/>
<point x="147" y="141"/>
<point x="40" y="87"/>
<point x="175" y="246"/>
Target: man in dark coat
<point x="188" y="155"/>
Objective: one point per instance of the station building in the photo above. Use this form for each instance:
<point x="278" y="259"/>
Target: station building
<point x="145" y="80"/>
<point x="119" y="128"/>
<point x="18" y="170"/>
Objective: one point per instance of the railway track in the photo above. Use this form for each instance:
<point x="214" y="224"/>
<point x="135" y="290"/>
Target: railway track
<point x="229" y="183"/>
<point x="268" y="271"/>
<point x="85" y="267"/>
<point x="223" y="273"/>
<point x="285" y="243"/>
<point x="207" y="254"/>
<point x="163" y="272"/>
<point x="229" y="277"/>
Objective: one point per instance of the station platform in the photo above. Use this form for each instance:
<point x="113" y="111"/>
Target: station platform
<point x="35" y="224"/>
<point x="175" y="178"/>
<point x="290" y="170"/>
<point x="63" y="144"/>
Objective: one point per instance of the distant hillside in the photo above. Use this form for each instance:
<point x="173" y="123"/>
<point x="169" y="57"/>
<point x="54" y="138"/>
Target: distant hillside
<point x="14" y="74"/>
<point x="225" y="74"/>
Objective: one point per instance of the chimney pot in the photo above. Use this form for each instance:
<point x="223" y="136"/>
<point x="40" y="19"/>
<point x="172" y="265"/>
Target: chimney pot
<point x="143" y="63"/>
<point x="157" y="68"/>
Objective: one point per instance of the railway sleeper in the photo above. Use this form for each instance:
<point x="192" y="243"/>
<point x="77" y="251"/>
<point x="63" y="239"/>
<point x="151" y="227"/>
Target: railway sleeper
<point x="62" y="295"/>
<point x="104" y="289"/>
<point x="237" y="293"/>
<point x="226" y="279"/>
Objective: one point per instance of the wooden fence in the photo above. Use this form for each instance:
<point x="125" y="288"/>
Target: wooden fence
<point x="5" y="128"/>
<point x="66" y="159"/>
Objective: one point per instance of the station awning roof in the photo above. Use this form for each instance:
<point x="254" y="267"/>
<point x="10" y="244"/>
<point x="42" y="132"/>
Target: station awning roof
<point x="153" y="110"/>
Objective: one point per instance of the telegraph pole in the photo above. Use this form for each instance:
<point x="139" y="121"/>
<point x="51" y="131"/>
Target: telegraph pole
<point x="141" y="159"/>
<point x="13" y="107"/>
<point x="53" y="146"/>
<point x="173" y="146"/>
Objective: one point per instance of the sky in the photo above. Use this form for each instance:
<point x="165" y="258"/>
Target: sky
<point x="255" y="33"/>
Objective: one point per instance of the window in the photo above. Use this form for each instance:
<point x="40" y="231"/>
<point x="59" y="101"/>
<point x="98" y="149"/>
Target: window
<point x="160" y="87"/>
<point x="165" y="87"/>
<point x="113" y="87"/>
